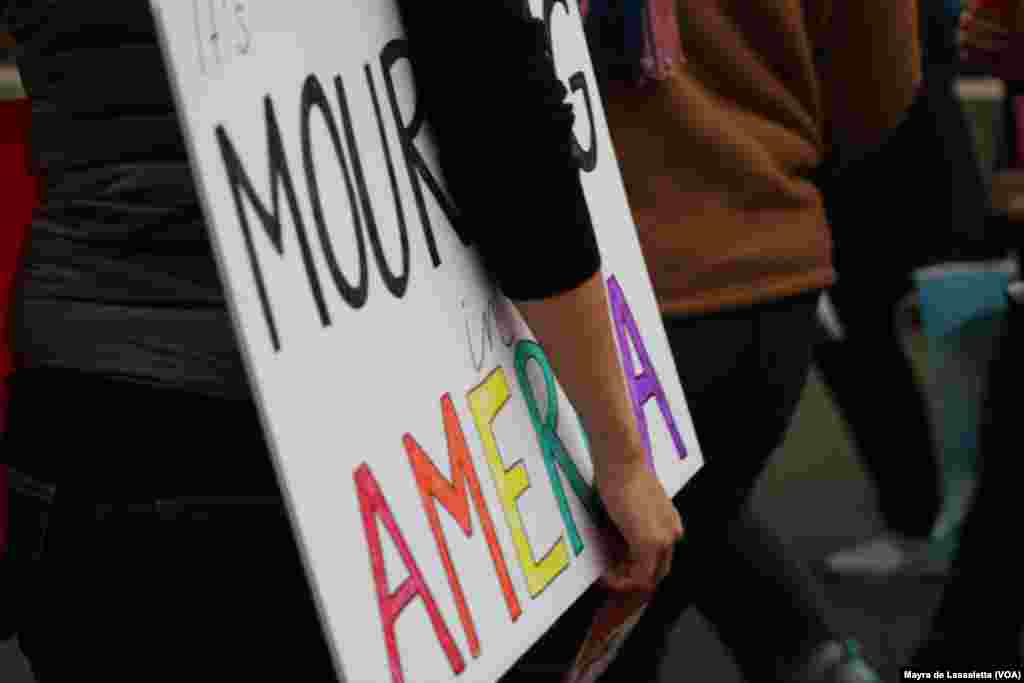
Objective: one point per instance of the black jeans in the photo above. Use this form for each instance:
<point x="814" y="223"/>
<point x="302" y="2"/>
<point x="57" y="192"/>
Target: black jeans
<point x="884" y="406"/>
<point x="981" y="615"/>
<point x="167" y="552"/>
<point x="743" y="373"/>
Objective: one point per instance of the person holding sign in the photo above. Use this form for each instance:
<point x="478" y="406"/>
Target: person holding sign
<point x="167" y="550"/>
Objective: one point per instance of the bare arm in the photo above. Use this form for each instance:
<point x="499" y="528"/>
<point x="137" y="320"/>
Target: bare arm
<point x="575" y="329"/>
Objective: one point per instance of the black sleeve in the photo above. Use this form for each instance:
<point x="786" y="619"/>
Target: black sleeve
<point x="938" y="40"/>
<point x="6" y="54"/>
<point x="489" y="92"/>
<point x="18" y="17"/>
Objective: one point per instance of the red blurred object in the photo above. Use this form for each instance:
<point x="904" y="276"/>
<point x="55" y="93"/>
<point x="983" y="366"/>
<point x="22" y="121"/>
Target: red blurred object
<point x="1004" y="9"/>
<point x="20" y="196"/>
<point x="1006" y="63"/>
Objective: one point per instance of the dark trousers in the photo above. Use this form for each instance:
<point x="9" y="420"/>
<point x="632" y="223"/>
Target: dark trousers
<point x="981" y="615"/>
<point x="874" y="386"/>
<point x="116" y="586"/>
<point x="938" y="217"/>
<point x="743" y="373"/>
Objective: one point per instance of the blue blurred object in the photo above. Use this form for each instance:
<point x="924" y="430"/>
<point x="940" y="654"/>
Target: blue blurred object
<point x="954" y="7"/>
<point x="963" y="308"/>
<point x="955" y="297"/>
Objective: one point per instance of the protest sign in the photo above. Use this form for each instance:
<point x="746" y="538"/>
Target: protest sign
<point x="436" y="475"/>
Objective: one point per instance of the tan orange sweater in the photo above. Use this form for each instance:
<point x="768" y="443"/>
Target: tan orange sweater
<point x="717" y="160"/>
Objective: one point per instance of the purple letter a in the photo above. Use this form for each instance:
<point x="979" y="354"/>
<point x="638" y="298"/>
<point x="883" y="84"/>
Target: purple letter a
<point x="645" y="386"/>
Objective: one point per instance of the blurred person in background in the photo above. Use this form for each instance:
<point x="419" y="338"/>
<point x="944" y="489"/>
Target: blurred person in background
<point x="719" y="157"/>
<point x="980" y="618"/>
<point x="924" y="188"/>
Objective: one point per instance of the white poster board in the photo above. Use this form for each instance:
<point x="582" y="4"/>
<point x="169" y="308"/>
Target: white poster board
<point x="443" y="537"/>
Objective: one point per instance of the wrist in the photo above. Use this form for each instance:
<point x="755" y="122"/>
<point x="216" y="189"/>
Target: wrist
<point x="616" y="449"/>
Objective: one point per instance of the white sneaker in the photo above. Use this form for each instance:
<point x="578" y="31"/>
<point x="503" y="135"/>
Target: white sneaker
<point x="889" y="554"/>
<point x="836" y="662"/>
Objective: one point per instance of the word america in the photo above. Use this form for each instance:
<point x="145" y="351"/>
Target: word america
<point x="486" y="402"/>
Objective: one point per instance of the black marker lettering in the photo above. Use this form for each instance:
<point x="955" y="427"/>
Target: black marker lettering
<point x="587" y="158"/>
<point x="314" y="98"/>
<point x="314" y="101"/>
<point x="242" y="189"/>
<point x="396" y="284"/>
<point x="391" y="54"/>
